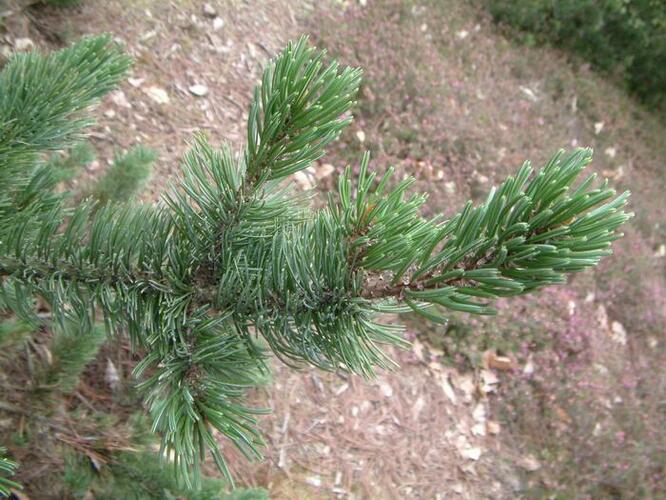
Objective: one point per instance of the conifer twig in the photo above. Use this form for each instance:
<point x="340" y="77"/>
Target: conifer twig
<point x="232" y="254"/>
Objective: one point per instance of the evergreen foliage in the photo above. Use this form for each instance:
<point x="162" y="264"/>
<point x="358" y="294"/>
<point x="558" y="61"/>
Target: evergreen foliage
<point x="12" y="334"/>
<point x="41" y="102"/>
<point x="125" y="177"/>
<point x="233" y="260"/>
<point x="138" y="476"/>
<point x="71" y="350"/>
<point x="625" y="37"/>
<point x="67" y="165"/>
<point x="7" y="469"/>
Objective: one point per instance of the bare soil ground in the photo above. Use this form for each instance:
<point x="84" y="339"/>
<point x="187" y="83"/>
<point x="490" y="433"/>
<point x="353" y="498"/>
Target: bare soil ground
<point x="451" y="101"/>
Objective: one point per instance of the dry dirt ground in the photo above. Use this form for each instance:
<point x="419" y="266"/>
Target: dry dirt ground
<point x="454" y="103"/>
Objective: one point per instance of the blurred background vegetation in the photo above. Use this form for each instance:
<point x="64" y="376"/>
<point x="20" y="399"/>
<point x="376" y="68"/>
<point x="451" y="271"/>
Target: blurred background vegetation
<point x="623" y="38"/>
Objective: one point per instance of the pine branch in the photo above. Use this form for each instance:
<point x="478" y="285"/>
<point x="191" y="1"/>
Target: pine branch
<point x="7" y="468"/>
<point x="299" y="108"/>
<point x="527" y="235"/>
<point x="233" y="254"/>
<point x="12" y="335"/>
<point x="125" y="177"/>
<point x="68" y="165"/>
<point x="43" y="97"/>
<point x="72" y="349"/>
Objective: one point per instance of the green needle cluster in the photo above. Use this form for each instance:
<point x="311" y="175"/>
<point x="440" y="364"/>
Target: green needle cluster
<point x="233" y="264"/>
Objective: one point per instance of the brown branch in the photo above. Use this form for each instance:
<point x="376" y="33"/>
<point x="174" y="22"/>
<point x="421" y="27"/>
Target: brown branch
<point x="398" y="291"/>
